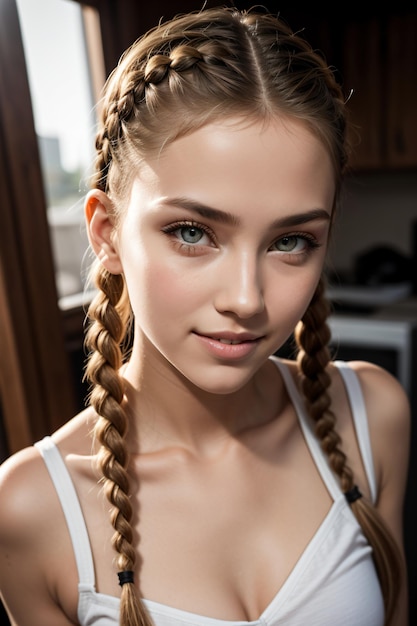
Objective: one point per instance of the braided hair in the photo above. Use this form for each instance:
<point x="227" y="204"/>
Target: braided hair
<point x="185" y="73"/>
<point x="312" y="336"/>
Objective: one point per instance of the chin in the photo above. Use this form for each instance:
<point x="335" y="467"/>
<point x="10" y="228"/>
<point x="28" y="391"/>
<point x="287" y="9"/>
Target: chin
<point x="223" y="382"/>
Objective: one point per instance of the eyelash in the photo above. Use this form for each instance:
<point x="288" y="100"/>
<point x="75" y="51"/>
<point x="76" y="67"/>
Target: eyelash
<point x="310" y="241"/>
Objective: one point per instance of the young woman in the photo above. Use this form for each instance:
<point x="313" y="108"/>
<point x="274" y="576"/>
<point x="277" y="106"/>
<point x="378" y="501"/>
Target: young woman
<point x="210" y="483"/>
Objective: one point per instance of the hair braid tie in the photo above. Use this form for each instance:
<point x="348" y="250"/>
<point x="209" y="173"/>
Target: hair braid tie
<point x="353" y="494"/>
<point x="126" y="576"/>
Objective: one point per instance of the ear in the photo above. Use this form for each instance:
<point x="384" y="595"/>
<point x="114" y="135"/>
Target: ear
<point x="101" y="232"/>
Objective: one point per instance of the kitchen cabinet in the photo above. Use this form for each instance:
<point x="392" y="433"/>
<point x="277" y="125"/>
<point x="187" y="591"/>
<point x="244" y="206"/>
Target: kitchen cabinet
<point x="374" y="53"/>
<point x="379" y="65"/>
<point x="402" y="91"/>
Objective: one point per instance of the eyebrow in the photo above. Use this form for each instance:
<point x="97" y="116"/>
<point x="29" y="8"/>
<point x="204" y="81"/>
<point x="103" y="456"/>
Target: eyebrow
<point x="225" y="217"/>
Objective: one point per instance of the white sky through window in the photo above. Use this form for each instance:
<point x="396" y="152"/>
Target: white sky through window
<point x="59" y="77"/>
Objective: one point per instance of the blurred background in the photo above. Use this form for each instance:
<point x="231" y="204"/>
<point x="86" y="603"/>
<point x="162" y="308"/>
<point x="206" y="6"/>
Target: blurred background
<point x="54" y="58"/>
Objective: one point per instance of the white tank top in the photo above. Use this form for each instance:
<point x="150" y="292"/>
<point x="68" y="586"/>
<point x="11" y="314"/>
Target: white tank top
<point x="333" y="583"/>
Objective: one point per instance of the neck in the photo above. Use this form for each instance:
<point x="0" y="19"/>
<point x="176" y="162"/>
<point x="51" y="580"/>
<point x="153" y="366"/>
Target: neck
<point x="166" y="410"/>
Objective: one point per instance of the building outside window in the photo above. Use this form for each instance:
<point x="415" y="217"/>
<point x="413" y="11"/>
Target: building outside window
<point x="65" y="68"/>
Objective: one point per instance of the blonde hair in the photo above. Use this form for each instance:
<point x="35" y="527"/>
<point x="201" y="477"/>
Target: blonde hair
<point x="192" y="70"/>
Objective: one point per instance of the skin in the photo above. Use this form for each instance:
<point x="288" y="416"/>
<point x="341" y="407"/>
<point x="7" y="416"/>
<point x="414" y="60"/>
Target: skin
<point x="216" y="428"/>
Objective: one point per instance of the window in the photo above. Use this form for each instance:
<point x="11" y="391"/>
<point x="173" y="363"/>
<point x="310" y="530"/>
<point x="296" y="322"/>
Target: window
<point x="65" y="70"/>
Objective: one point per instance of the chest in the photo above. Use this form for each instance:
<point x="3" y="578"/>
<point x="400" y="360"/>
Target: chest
<point x="220" y="537"/>
<point x="222" y="534"/>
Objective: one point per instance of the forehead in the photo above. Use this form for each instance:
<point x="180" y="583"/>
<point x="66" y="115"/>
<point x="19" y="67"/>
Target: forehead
<point x="256" y="162"/>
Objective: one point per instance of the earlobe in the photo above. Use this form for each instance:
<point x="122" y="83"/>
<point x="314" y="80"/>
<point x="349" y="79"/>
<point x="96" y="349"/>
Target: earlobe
<point x="98" y="210"/>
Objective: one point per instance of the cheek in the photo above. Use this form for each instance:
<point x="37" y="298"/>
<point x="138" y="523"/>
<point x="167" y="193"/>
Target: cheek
<point x="163" y="289"/>
<point x="290" y="298"/>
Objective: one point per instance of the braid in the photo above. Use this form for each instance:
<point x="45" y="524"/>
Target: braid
<point x="312" y="336"/>
<point x="181" y="59"/>
<point x="104" y="337"/>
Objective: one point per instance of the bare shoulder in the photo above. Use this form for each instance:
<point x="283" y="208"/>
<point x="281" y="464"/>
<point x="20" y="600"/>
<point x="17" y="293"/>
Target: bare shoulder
<point x="23" y="481"/>
<point x="387" y="403"/>
<point x="25" y="522"/>
<point x="26" y="486"/>
<point x="389" y="418"/>
<point x="388" y="413"/>
<point x="34" y="540"/>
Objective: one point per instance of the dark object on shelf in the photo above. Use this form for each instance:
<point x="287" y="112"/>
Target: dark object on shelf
<point x="382" y="265"/>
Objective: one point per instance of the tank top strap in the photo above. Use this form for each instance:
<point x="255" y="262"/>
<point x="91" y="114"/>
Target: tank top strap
<point x="305" y="422"/>
<point x="72" y="510"/>
<point x="359" y="416"/>
<point x="360" y="420"/>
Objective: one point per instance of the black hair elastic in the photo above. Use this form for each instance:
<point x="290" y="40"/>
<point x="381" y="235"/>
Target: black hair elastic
<point x="126" y="576"/>
<point x="353" y="494"/>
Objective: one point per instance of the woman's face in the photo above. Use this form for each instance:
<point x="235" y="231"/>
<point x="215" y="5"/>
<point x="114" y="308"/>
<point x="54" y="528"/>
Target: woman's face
<point x="222" y="246"/>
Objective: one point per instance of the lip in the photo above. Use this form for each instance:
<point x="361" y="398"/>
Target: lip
<point x="217" y="344"/>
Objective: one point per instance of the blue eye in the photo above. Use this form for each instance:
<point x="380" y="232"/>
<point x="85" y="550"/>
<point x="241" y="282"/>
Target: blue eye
<point x="191" y="234"/>
<point x="288" y="244"/>
<point x="295" y="244"/>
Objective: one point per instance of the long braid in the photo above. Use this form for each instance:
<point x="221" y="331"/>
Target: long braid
<point x="110" y="318"/>
<point x="312" y="336"/>
<point x="104" y="337"/>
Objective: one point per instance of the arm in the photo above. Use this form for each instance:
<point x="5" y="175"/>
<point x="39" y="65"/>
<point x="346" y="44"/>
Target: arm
<point x="31" y="541"/>
<point x="389" y="423"/>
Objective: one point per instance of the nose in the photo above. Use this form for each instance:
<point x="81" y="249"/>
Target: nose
<point x="239" y="289"/>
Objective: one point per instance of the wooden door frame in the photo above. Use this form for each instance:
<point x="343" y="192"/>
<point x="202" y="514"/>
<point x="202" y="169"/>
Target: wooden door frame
<point x="35" y="384"/>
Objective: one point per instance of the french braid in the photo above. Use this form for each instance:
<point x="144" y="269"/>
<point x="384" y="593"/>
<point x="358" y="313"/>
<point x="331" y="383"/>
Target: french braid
<point x="312" y="336"/>
<point x="196" y="69"/>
